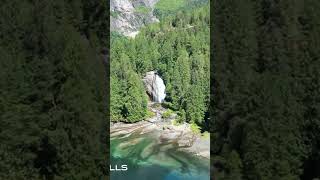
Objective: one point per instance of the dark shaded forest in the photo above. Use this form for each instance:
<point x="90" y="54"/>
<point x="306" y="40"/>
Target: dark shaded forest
<point x="266" y="90"/>
<point x="53" y="89"/>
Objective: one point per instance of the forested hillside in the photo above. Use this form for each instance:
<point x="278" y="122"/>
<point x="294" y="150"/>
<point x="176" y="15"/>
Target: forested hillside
<point x="265" y="109"/>
<point x="52" y="90"/>
<point x="178" y="49"/>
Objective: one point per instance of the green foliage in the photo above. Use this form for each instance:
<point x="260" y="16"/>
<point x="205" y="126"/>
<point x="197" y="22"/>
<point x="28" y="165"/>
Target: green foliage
<point x="166" y="8"/>
<point x="205" y="135"/>
<point x="195" y="128"/>
<point x="53" y="90"/>
<point x="175" y="122"/>
<point x="264" y="111"/>
<point x="142" y="10"/>
<point x="128" y="98"/>
<point x="150" y="114"/>
<point x="167" y="114"/>
<point x="181" y="116"/>
<point x="169" y="5"/>
<point x="178" y="48"/>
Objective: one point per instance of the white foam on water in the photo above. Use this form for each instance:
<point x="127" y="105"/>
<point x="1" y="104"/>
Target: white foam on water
<point x="159" y="90"/>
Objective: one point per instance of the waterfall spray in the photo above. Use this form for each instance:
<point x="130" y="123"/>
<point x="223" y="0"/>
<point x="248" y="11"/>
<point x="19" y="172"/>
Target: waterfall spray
<point x="155" y="86"/>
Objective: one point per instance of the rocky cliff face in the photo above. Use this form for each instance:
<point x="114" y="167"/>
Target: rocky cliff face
<point x="128" y="16"/>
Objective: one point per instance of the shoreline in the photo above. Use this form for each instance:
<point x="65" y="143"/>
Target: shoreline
<point x="166" y="131"/>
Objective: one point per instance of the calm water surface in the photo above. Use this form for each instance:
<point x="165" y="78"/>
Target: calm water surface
<point x="149" y="159"/>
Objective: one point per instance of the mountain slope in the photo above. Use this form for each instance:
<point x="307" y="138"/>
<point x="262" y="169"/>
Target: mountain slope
<point x="128" y="16"/>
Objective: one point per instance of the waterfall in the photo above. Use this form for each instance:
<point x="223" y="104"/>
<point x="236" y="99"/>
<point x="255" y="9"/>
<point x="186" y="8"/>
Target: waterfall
<point x="159" y="91"/>
<point x="155" y="86"/>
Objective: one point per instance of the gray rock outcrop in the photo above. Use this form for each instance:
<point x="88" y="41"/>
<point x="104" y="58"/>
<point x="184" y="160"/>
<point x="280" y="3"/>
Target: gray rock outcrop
<point x="128" y="16"/>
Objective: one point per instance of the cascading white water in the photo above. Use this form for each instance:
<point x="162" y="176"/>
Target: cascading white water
<point x="159" y="89"/>
<point x="155" y="86"/>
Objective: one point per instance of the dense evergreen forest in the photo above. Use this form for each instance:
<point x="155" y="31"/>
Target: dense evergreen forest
<point x="266" y="90"/>
<point x="53" y="89"/>
<point x="178" y="49"/>
<point x="264" y="113"/>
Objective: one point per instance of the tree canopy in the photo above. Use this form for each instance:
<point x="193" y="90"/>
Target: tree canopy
<point x="53" y="90"/>
<point x="265" y="108"/>
<point x="178" y="49"/>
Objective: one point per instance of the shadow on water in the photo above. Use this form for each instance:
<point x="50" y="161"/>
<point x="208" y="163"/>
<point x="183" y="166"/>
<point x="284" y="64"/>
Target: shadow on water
<point x="149" y="158"/>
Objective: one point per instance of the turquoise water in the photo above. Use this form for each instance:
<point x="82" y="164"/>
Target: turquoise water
<point x="148" y="158"/>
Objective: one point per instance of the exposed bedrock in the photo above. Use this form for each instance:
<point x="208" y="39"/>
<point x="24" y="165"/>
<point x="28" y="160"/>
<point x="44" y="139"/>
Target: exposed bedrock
<point x="128" y="16"/>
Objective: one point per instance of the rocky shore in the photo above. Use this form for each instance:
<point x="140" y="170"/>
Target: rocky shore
<point x="166" y="132"/>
